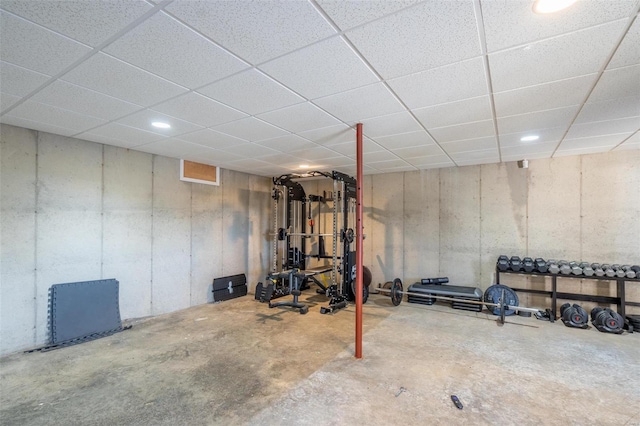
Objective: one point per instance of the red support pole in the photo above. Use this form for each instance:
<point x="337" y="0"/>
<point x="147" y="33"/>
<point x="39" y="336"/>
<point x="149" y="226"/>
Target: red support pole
<point x="359" y="241"/>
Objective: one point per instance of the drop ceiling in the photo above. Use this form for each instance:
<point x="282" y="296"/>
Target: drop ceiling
<point x="266" y="86"/>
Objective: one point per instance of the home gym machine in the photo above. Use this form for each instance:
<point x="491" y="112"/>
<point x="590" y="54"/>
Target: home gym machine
<point x="297" y="242"/>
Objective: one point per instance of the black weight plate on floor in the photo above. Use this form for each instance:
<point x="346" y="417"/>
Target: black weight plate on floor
<point x="396" y="292"/>
<point x="493" y="295"/>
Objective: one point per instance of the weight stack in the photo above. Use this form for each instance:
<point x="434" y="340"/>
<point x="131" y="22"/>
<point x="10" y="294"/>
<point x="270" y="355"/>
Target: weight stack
<point x="451" y="291"/>
<point x="230" y="287"/>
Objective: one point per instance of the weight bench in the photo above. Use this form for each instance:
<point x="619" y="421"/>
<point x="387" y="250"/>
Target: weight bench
<point x="458" y="292"/>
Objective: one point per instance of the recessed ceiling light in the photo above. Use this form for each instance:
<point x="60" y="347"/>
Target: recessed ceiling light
<point x="550" y="6"/>
<point x="304" y="166"/>
<point x="161" y="125"/>
<point x="529" y="138"/>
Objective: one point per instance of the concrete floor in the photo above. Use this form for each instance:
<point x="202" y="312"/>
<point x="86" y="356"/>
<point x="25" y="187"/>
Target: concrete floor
<point x="239" y="362"/>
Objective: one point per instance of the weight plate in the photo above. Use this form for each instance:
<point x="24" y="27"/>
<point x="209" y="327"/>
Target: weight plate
<point x="493" y="295"/>
<point x="396" y="292"/>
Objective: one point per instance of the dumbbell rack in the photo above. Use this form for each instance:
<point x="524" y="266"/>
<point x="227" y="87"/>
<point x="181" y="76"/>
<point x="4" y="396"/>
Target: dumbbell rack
<point x="619" y="300"/>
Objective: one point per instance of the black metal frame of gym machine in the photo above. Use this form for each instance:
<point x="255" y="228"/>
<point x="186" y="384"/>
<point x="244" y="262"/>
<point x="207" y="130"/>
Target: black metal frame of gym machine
<point x="293" y="275"/>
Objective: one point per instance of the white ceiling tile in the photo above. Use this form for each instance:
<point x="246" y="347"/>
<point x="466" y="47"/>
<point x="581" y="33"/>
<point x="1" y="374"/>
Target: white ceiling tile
<point x="545" y="96"/>
<point x="349" y="148"/>
<point x="358" y="104"/>
<point x="546" y="60"/>
<point x="37" y="125"/>
<point x="53" y="116"/>
<point x="321" y="69"/>
<point x="390" y="164"/>
<point x="187" y="151"/>
<point x="458" y="132"/>
<point x="583" y="151"/>
<point x="484" y="155"/>
<point x="373" y="157"/>
<point x="476" y="162"/>
<point x="256" y="31"/>
<point x="89" y="22"/>
<point x="120" y="135"/>
<point x="317" y="154"/>
<point x="349" y="14"/>
<point x="553" y="135"/>
<point x="391" y="124"/>
<point x="617" y="83"/>
<point x="628" y="52"/>
<point x="351" y="170"/>
<point x="246" y="164"/>
<point x="250" y="150"/>
<point x="300" y="117"/>
<point x="250" y="129"/>
<point x="594" y="141"/>
<point x="512" y="22"/>
<point x="115" y="78"/>
<point x="339" y="162"/>
<point x="609" y="110"/>
<point x="199" y="109"/>
<point x="287" y="143"/>
<point x="143" y="119"/>
<point x="465" y="111"/>
<point x="7" y="100"/>
<point x="404" y="140"/>
<point x="281" y="159"/>
<point x="478" y="144"/>
<point x="417" y="151"/>
<point x="532" y="156"/>
<point x="19" y="81"/>
<point x="528" y="151"/>
<point x="84" y="101"/>
<point x="440" y="160"/>
<point x="165" y="47"/>
<point x="330" y="135"/>
<point x="382" y="167"/>
<point x="537" y="120"/>
<point x="632" y="142"/>
<point x="175" y="148"/>
<point x="449" y="83"/>
<point x="33" y="47"/>
<point x="211" y="139"/>
<point x="452" y="36"/>
<point x="599" y="128"/>
<point x="251" y="92"/>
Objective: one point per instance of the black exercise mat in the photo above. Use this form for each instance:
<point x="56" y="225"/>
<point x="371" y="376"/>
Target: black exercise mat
<point x="83" y="311"/>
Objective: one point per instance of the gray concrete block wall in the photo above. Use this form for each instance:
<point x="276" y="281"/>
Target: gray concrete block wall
<point x="18" y="148"/>
<point x="127" y="227"/>
<point x="73" y="210"/>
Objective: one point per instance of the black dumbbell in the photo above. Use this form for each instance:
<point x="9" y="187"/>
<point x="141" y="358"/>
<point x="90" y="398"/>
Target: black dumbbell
<point x="503" y="263"/>
<point x="607" y="320"/>
<point x="575" y="268"/>
<point x="597" y="270"/>
<point x="620" y="273"/>
<point x="528" y="265"/>
<point x="587" y="270"/>
<point x="565" y="268"/>
<point x="629" y="273"/>
<point x="515" y="264"/>
<point x="541" y="265"/>
<point x="574" y="316"/>
<point x="636" y="269"/>
<point x="608" y="270"/>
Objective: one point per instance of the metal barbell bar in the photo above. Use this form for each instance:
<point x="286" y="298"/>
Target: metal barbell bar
<point x="396" y="292"/>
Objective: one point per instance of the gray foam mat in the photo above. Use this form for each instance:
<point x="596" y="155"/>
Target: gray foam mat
<point x="83" y="310"/>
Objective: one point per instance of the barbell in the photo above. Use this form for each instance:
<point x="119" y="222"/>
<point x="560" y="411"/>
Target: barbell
<point x="396" y="293"/>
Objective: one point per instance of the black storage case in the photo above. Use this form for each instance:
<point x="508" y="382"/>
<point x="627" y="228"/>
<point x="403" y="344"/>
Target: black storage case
<point x="453" y="291"/>
<point x="230" y="287"/>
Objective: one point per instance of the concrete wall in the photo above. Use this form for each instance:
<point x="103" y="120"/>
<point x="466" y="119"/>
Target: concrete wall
<point x="74" y="210"/>
<point x="455" y="222"/>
